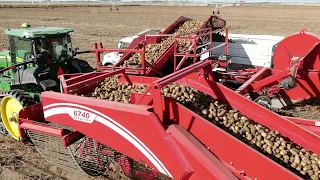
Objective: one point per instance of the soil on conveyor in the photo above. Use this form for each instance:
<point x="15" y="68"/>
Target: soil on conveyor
<point x="20" y="161"/>
<point x="307" y="109"/>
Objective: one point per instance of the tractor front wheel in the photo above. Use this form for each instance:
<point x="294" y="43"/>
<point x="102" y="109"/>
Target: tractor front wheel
<point x="10" y="107"/>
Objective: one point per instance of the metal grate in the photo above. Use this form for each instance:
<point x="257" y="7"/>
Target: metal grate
<point x="97" y="159"/>
<point x="51" y="148"/>
<point x="90" y="157"/>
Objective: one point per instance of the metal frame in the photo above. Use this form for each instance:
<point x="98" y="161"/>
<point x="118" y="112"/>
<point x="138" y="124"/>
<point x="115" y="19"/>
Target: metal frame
<point x="180" y="133"/>
<point x="194" y="39"/>
<point x="148" y="69"/>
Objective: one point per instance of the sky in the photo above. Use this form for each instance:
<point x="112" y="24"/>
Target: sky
<point x="303" y="1"/>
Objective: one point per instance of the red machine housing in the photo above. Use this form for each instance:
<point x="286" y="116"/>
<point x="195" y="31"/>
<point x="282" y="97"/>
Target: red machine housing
<point x="162" y="133"/>
<point x="294" y="75"/>
<point x="166" y="136"/>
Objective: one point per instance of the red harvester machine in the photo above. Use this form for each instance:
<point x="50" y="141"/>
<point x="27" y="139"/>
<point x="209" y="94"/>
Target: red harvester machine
<point x="161" y="134"/>
<point x="200" y="38"/>
<point x="294" y="77"/>
<point x="168" y="139"/>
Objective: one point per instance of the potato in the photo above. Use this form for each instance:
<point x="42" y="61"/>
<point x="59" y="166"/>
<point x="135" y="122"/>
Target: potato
<point x="154" y="51"/>
<point x="260" y="137"/>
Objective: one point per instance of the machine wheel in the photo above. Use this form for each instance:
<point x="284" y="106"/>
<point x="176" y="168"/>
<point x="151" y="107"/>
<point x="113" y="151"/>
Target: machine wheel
<point x="10" y="108"/>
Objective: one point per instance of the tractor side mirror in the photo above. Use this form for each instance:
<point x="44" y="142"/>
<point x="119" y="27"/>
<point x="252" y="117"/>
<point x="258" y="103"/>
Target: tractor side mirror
<point x="74" y="51"/>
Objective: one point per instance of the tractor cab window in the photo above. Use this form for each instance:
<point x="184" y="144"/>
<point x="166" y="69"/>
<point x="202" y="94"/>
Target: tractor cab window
<point x="61" y="47"/>
<point x="58" y="48"/>
<point x="44" y="51"/>
<point x="123" y="45"/>
<point x="20" y="49"/>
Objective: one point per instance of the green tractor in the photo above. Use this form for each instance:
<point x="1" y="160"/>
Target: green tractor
<point x="35" y="58"/>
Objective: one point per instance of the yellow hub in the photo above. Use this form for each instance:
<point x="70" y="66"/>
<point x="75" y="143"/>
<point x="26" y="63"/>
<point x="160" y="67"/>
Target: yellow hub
<point x="10" y="108"/>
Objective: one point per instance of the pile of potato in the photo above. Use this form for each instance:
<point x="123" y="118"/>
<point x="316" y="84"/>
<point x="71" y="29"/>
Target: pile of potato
<point x="111" y="90"/>
<point x="153" y="51"/>
<point x="307" y="109"/>
<point x="271" y="143"/>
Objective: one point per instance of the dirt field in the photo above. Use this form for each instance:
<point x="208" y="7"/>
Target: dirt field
<point x="99" y="24"/>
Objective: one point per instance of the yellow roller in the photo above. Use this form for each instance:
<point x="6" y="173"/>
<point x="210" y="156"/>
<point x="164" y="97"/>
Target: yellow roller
<point x="10" y="108"/>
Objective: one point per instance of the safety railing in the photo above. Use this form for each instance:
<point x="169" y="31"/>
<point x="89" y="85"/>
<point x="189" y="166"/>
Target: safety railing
<point x="194" y="39"/>
<point x="140" y="49"/>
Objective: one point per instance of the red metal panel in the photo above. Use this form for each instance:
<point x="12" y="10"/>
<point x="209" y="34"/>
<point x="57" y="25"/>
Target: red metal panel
<point x="289" y="47"/>
<point x="262" y="115"/>
<point x="33" y="112"/>
<point x="162" y="59"/>
<point x="168" y="30"/>
<point x="206" y="165"/>
<point x="247" y="86"/>
<point x="244" y="160"/>
<point x="71" y="138"/>
<point x="271" y="80"/>
<point x="308" y="85"/>
<point x="302" y="121"/>
<point x="132" y="45"/>
<point x="30" y="125"/>
<point x="313" y="59"/>
<point x="179" y="74"/>
<point x="86" y="81"/>
<point x="310" y="125"/>
<point x="118" y="125"/>
<point x="138" y="80"/>
<point x="175" y="25"/>
<point x="93" y="79"/>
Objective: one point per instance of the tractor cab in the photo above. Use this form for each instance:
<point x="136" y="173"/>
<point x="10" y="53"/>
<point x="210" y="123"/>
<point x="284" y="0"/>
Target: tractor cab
<point x="36" y="56"/>
<point x="45" y="45"/>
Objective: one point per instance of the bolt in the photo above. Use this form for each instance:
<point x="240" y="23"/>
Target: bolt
<point x="242" y="173"/>
<point x="231" y="163"/>
<point x="208" y="148"/>
<point x="12" y="119"/>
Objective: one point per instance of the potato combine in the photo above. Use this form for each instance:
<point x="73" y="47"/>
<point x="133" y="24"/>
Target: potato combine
<point x="153" y="55"/>
<point x="126" y="122"/>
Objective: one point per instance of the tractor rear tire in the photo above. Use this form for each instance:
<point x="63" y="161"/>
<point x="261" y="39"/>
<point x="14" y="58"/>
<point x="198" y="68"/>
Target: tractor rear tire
<point x="3" y="130"/>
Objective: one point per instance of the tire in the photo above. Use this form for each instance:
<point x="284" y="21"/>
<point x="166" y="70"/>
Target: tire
<point x="3" y="130"/>
<point x="24" y="98"/>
